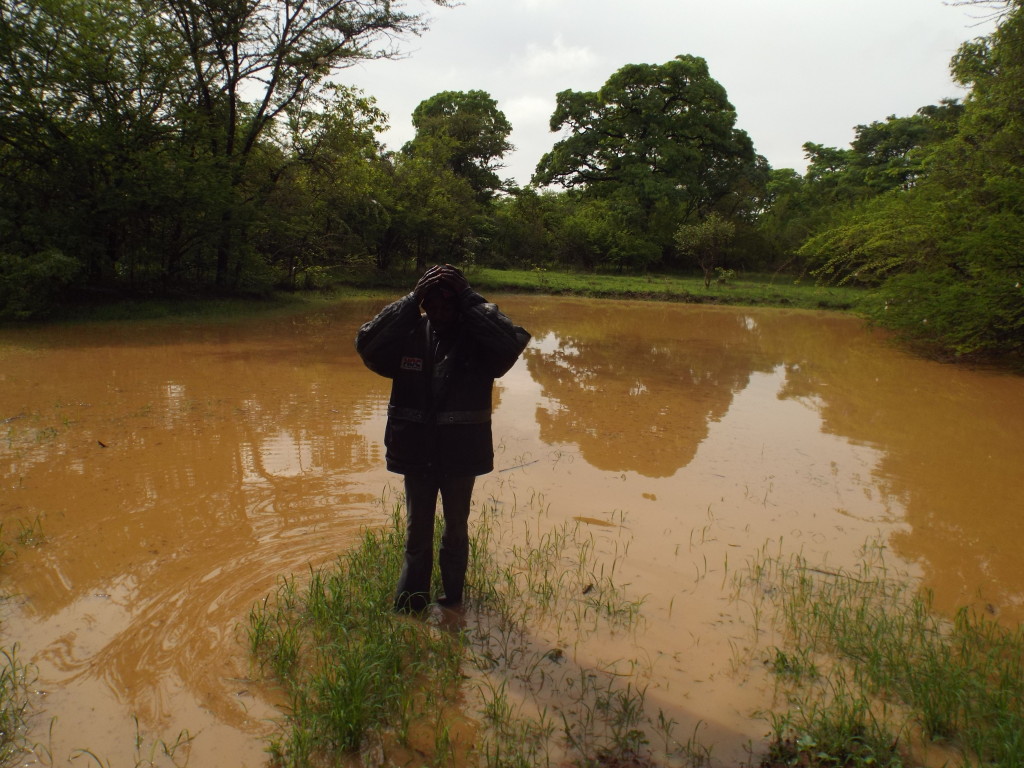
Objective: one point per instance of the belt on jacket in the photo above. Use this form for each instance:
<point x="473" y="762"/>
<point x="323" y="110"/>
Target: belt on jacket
<point x="445" y="417"/>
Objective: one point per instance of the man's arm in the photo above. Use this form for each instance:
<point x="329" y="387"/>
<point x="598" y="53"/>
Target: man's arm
<point x="379" y="342"/>
<point x="498" y="339"/>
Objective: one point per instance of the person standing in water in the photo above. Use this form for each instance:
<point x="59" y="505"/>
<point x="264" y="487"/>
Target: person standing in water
<point x="442" y="366"/>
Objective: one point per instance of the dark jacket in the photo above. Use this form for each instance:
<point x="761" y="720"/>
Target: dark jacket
<point x="439" y="416"/>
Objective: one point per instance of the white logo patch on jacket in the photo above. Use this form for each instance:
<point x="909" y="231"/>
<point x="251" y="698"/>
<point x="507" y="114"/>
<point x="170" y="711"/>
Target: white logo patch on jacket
<point x="412" y="363"/>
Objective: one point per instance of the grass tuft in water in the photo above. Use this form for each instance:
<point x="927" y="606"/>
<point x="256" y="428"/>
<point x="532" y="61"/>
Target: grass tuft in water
<point x="31" y="532"/>
<point x="873" y="674"/>
<point x="350" y="668"/>
<point x="15" y="678"/>
<point x="499" y="688"/>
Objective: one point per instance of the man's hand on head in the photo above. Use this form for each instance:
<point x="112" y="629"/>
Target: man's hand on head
<point x="438" y="276"/>
<point x="430" y="280"/>
<point x="454" y="279"/>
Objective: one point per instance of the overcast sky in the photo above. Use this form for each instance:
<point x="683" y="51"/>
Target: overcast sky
<point x="795" y="70"/>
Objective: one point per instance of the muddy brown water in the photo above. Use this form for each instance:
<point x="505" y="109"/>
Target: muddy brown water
<point x="176" y="471"/>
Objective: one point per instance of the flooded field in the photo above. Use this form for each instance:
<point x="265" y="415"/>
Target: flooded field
<point x="159" y="478"/>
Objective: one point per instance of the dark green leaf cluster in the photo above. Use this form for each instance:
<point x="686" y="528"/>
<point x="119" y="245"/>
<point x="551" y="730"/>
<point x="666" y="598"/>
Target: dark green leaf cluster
<point x="928" y="208"/>
<point x="184" y="144"/>
<point x="657" y="144"/>
<point x="466" y="133"/>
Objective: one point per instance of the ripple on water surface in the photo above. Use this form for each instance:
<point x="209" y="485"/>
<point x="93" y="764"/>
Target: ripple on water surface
<point x="174" y="473"/>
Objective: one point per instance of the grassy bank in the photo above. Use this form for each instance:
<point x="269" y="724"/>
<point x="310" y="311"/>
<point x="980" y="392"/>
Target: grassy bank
<point x="745" y="290"/>
<point x="775" y="290"/>
<point x="748" y="290"/>
<point x="867" y="675"/>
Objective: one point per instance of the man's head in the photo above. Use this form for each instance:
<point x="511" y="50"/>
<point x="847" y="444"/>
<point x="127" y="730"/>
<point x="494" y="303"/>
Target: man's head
<point x="442" y="308"/>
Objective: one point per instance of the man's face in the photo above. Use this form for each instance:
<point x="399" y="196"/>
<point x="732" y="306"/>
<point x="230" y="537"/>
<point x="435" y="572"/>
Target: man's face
<point x="441" y="311"/>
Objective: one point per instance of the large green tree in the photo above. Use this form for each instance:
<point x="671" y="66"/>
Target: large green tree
<point x="445" y="179"/>
<point x="946" y="248"/>
<point x="658" y="140"/>
<point x="141" y="138"/>
<point x="465" y="132"/>
<point x="251" y="61"/>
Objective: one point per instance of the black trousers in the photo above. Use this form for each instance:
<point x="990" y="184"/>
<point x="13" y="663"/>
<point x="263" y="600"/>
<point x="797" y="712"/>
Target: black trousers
<point x="413" y="593"/>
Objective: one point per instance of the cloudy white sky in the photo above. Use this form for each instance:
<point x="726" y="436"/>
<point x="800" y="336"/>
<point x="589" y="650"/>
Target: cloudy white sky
<point x="795" y="70"/>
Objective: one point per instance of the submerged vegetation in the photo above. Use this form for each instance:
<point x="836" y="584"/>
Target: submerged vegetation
<point x="13" y="705"/>
<point x="866" y="673"/>
<point x="872" y="675"/>
<point x="350" y="669"/>
<point x="360" y="679"/>
<point x="14" y="676"/>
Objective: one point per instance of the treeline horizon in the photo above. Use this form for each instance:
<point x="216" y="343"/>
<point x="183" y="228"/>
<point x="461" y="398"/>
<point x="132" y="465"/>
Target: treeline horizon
<point x="168" y="146"/>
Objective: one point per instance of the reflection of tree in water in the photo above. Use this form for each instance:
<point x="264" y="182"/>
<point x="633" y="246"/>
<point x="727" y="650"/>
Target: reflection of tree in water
<point x="181" y="468"/>
<point x="178" y="438"/>
<point x="950" y="454"/>
<point x="637" y="390"/>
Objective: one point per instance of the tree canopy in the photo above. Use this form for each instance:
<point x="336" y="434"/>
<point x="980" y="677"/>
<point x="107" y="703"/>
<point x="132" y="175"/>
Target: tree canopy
<point x="467" y="133"/>
<point x="658" y="139"/>
<point x="666" y="131"/>
<point x="156" y="145"/>
<point x="939" y="232"/>
<point x="127" y="126"/>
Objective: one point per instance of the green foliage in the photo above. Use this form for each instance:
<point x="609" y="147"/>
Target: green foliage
<point x="597" y="232"/>
<point x="929" y="208"/>
<point x="30" y="285"/>
<point x="465" y="132"/>
<point x="147" y="139"/>
<point x="883" y="236"/>
<point x="884" y="157"/>
<point x="705" y="242"/>
<point x="82" y="113"/>
<point x="949" y="271"/>
<point x="893" y="154"/>
<point x="882" y="661"/>
<point x="322" y="182"/>
<point x="654" y="127"/>
<point x="951" y="314"/>
<point x="523" y="224"/>
<point x="432" y="214"/>
<point x="440" y="186"/>
<point x="659" y="143"/>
